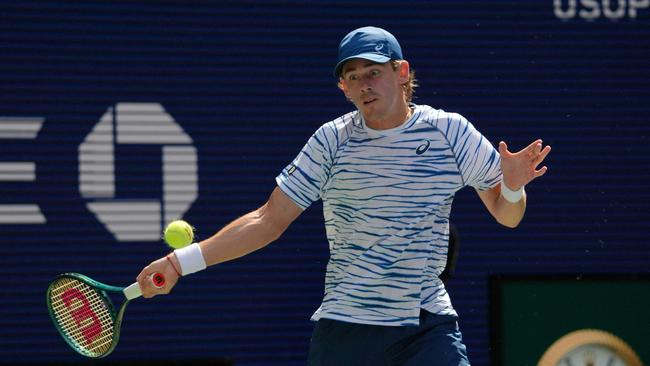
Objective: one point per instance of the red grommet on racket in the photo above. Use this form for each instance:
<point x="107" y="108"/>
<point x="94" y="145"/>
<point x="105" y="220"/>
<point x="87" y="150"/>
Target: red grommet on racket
<point x="158" y="280"/>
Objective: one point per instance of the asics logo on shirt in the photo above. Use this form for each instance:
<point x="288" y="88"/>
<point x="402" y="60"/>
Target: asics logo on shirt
<point x="423" y="148"/>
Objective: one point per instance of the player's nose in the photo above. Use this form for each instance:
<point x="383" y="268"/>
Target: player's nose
<point x="366" y="88"/>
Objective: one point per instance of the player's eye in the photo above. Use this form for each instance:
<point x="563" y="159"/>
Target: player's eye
<point x="375" y="72"/>
<point x="353" y="77"/>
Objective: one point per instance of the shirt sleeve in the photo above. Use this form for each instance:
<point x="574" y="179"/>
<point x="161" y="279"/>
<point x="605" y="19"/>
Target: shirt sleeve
<point x="303" y="180"/>
<point x="478" y="161"/>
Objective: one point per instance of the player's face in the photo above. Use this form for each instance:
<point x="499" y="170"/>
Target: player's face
<point x="376" y="90"/>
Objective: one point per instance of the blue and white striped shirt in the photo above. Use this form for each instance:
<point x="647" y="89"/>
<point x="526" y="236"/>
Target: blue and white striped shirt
<point x="387" y="197"/>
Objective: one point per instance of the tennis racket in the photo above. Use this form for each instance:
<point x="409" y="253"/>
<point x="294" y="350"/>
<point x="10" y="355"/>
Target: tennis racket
<point x="84" y="315"/>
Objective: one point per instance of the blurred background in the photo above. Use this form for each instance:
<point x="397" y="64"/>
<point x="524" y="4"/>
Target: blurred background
<point x="116" y="117"/>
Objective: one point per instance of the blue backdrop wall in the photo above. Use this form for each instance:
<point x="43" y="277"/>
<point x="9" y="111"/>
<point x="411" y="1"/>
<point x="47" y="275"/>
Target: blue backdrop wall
<point x="117" y="116"/>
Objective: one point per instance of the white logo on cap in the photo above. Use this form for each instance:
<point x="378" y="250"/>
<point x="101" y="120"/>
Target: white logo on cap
<point x="379" y="47"/>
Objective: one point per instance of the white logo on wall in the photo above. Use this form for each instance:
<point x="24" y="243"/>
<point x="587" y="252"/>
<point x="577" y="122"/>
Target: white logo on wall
<point x="21" y="128"/>
<point x="137" y="123"/>
<point x="594" y="9"/>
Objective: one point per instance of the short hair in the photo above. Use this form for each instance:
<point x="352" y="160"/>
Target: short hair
<point x="411" y="83"/>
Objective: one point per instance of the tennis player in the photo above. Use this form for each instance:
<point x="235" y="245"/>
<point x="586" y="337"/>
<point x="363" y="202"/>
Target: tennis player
<point x="387" y="174"/>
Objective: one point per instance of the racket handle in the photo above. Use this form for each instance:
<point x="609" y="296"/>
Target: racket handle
<point x="133" y="291"/>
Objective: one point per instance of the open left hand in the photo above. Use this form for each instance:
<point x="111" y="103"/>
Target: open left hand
<point x="520" y="168"/>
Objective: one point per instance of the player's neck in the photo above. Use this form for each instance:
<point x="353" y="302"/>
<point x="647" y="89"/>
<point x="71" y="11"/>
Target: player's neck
<point x="400" y="115"/>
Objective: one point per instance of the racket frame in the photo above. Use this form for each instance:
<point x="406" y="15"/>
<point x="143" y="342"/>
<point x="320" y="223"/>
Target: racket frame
<point x="101" y="289"/>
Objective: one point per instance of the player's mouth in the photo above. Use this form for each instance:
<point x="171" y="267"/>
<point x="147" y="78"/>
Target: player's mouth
<point x="369" y="101"/>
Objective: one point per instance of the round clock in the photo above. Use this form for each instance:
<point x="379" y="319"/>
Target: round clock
<point x="590" y="347"/>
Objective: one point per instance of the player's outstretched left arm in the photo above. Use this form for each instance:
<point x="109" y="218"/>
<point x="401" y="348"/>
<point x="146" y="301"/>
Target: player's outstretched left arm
<point x="519" y="169"/>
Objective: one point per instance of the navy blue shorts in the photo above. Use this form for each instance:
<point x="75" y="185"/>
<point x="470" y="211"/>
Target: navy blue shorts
<point x="435" y="342"/>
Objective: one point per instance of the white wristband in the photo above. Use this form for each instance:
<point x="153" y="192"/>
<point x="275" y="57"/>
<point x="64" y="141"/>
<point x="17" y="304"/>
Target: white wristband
<point x="510" y="195"/>
<point x="191" y="259"/>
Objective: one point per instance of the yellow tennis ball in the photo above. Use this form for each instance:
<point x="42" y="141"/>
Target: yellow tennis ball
<point x="179" y="234"/>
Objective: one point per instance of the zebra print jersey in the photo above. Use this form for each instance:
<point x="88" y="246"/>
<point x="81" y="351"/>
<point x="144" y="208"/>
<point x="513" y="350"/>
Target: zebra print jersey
<point x="387" y="197"/>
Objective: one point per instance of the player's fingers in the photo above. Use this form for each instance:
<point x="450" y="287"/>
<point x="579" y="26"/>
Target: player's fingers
<point x="532" y="151"/>
<point x="533" y="145"/>
<point x="145" y="285"/>
<point x="151" y="286"/>
<point x="540" y="172"/>
<point x="141" y="275"/>
<point x="149" y="290"/>
<point x="142" y="280"/>
<point x="160" y="282"/>
<point x="503" y="148"/>
<point x="541" y="155"/>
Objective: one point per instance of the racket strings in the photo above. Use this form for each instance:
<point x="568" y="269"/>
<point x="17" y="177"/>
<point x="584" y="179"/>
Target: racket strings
<point x="82" y="315"/>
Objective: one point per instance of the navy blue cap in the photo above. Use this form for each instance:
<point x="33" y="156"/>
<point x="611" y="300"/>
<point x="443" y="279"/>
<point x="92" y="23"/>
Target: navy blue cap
<point x="369" y="43"/>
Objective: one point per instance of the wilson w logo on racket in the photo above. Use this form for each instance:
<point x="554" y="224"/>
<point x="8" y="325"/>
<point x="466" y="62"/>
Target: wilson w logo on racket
<point x="84" y="315"/>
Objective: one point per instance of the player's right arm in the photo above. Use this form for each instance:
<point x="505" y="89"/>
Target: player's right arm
<point x="252" y="231"/>
<point x="244" y="235"/>
<point x="302" y="180"/>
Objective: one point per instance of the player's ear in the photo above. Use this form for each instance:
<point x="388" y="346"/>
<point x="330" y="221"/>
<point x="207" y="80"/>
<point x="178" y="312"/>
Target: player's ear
<point x="343" y="86"/>
<point x="404" y="70"/>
